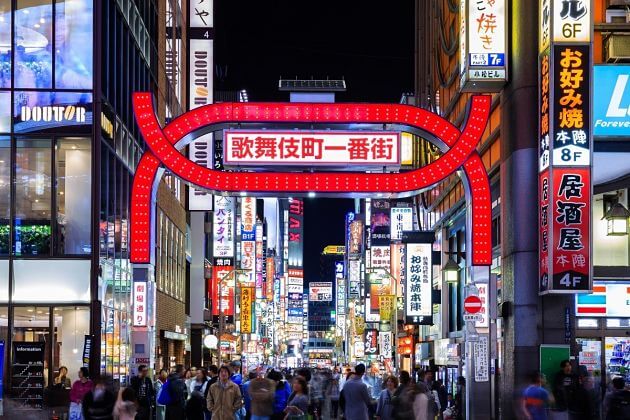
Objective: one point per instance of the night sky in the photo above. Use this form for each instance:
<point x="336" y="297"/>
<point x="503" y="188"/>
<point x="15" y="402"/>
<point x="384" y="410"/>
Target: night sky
<point x="369" y="44"/>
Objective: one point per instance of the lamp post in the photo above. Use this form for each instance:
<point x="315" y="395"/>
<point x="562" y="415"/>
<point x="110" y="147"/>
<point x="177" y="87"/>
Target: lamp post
<point x="451" y="271"/>
<point x="617" y="220"/>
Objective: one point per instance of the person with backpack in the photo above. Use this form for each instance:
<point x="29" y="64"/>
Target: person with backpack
<point x="402" y="400"/>
<point x="224" y="398"/>
<point x="282" y="393"/>
<point x="173" y="395"/>
<point x="617" y="402"/>
<point x="143" y="388"/>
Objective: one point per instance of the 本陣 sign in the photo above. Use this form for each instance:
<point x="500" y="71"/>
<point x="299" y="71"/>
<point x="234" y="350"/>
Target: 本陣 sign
<point x="484" y="28"/>
<point x="565" y="214"/>
<point x="418" y="284"/>
<point x="611" y="100"/>
<point x="329" y="148"/>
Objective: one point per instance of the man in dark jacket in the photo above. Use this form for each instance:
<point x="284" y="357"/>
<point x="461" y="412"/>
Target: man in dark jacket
<point x="178" y="392"/>
<point x="617" y="402"/>
<point x="145" y="394"/>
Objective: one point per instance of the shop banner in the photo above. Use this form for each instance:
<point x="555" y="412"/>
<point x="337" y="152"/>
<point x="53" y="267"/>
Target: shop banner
<point x="371" y="341"/>
<point x="222" y="291"/>
<point x="385" y="344"/>
<point x="140" y="303"/>
<point x="354" y="277"/>
<point x="247" y="304"/>
<point x="296" y="232"/>
<point x="380" y="230"/>
<point x="379" y="284"/>
<point x="397" y="267"/>
<point x="223" y="227"/>
<point x="271" y="274"/>
<point x="419" y="284"/>
<point x="248" y="219"/>
<point x="609" y="299"/>
<point x="87" y="350"/>
<point x="355" y="240"/>
<point x="387" y="305"/>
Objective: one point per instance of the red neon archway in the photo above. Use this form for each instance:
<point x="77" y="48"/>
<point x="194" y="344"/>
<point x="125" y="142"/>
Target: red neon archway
<point x="461" y="154"/>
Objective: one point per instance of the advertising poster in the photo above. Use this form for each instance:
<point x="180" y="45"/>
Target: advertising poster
<point x="320" y="291"/>
<point x="222" y="291"/>
<point x="371" y="341"/>
<point x="418" y="284"/>
<point x="223" y="227"/>
<point x="385" y="344"/>
<point x="247" y="304"/>
<point x="617" y="357"/>
<point x="296" y="232"/>
<point x="380" y="223"/>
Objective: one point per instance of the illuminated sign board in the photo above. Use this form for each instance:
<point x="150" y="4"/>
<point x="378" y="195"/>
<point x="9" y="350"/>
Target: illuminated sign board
<point x="419" y="284"/>
<point x="320" y="291"/>
<point x="139" y="303"/>
<point x="609" y="299"/>
<point x="458" y="145"/>
<point x="223" y="226"/>
<point x="401" y="220"/>
<point x="484" y="25"/>
<point x="611" y="100"/>
<point x="200" y="89"/>
<point x="247" y="307"/>
<point x="565" y="146"/>
<point x="325" y="148"/>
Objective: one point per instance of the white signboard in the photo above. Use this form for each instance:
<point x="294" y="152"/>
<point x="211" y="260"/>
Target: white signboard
<point x="320" y="291"/>
<point x="401" y="220"/>
<point x="480" y="355"/>
<point x="418" y="282"/>
<point x="482" y="293"/>
<point x="139" y="303"/>
<point x="223" y="227"/>
<point x="385" y="344"/>
<point x="571" y="21"/>
<point x="354" y="277"/>
<point x="295" y="288"/>
<point x="200" y="152"/>
<point x="486" y="33"/>
<point x="326" y="148"/>
<point x="201" y="14"/>
<point x="380" y="257"/>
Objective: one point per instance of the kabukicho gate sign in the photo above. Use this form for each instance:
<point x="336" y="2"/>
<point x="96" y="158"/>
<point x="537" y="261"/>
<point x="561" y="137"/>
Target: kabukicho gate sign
<point x="458" y="148"/>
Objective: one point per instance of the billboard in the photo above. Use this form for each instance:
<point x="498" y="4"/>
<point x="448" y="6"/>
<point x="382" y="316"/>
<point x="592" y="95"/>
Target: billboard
<point x="418" y="284"/>
<point x="371" y="341"/>
<point x="609" y="299"/>
<point x="222" y="291"/>
<point x="320" y="291"/>
<point x="247" y="307"/>
<point x="296" y="232"/>
<point x="483" y="26"/>
<point x="354" y="278"/>
<point x="611" y="100"/>
<point x="320" y="148"/>
<point x="223" y="227"/>
<point x="401" y="220"/>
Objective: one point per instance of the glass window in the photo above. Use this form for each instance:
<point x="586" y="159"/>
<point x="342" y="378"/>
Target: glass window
<point x="33" y="40"/>
<point x="5" y="191"/>
<point x="73" y="166"/>
<point x="66" y="280"/>
<point x="30" y="325"/>
<point x="71" y="325"/>
<point x="5" y="43"/>
<point x="32" y="197"/>
<point x="5" y="101"/>
<point x="73" y="44"/>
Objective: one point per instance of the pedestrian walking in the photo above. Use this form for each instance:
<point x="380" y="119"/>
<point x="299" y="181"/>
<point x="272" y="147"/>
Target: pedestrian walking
<point x="98" y="404"/>
<point x="126" y="405"/>
<point x="173" y="395"/>
<point x="333" y="393"/>
<point x="384" y="406"/>
<point x="297" y="406"/>
<point x="442" y="395"/>
<point x="535" y="399"/>
<point x="246" y="397"/>
<point x="617" y="401"/>
<point x="282" y="393"/>
<point x="196" y="407"/>
<point x="160" y="409"/>
<point x="261" y="392"/>
<point x="402" y="399"/>
<point x="224" y="398"/>
<point x="564" y="387"/>
<point x="80" y="388"/>
<point x="422" y="403"/>
<point x="355" y="399"/>
<point x="145" y="394"/>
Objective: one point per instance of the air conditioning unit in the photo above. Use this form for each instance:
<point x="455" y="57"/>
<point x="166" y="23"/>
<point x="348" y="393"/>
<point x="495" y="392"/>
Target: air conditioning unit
<point x="618" y="14"/>
<point x="618" y="48"/>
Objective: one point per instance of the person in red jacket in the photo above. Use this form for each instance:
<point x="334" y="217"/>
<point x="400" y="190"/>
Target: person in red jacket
<point x="80" y="387"/>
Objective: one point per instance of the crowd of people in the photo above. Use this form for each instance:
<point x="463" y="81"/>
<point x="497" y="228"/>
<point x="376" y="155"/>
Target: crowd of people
<point x="573" y="397"/>
<point x="223" y="393"/>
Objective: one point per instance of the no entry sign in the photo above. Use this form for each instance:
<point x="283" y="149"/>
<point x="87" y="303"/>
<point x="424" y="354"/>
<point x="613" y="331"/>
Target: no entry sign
<point x="472" y="304"/>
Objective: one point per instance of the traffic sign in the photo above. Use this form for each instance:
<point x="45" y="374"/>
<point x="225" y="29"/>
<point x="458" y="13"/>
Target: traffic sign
<point x="472" y="304"/>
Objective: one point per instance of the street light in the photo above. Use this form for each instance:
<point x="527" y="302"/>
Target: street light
<point x="451" y="271"/>
<point x="617" y="218"/>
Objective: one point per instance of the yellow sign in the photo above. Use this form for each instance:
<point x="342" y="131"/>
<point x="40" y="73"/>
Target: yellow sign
<point x="359" y="325"/>
<point x="334" y="250"/>
<point x="247" y="299"/>
<point x="386" y="306"/>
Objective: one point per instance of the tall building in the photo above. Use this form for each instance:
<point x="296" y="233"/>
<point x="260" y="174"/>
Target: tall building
<point x="69" y="149"/>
